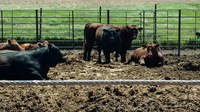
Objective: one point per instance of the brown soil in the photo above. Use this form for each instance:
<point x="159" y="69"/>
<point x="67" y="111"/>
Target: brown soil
<point x="109" y="98"/>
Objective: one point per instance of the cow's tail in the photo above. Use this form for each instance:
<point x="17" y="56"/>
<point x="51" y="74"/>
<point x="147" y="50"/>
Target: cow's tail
<point x="85" y="31"/>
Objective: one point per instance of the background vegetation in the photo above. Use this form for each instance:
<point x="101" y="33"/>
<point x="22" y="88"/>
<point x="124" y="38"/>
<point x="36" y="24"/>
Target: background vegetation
<point x="19" y="21"/>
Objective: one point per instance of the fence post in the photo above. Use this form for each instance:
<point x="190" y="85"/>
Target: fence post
<point x="12" y="23"/>
<point x="108" y="16"/>
<point x="143" y="27"/>
<point x="40" y="35"/>
<point x="179" y="31"/>
<point x="195" y="26"/>
<point x="99" y="14"/>
<point x="36" y="24"/>
<point x="155" y="24"/>
<point x="73" y="28"/>
<point x="2" y="25"/>
<point x="167" y="26"/>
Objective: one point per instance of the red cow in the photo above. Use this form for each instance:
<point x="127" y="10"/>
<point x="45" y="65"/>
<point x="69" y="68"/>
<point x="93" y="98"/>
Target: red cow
<point x="89" y="39"/>
<point x="127" y="34"/>
<point x="149" y="55"/>
<point x="11" y="45"/>
<point x="29" y="46"/>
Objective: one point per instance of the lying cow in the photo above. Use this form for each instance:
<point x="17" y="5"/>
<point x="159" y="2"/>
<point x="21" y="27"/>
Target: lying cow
<point x="29" y="46"/>
<point x="108" y="40"/>
<point x="29" y="65"/>
<point x="11" y="45"/>
<point x="149" y="55"/>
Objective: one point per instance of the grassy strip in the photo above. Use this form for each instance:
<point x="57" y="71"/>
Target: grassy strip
<point x="57" y="21"/>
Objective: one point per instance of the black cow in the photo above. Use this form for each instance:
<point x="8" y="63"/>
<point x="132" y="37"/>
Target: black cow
<point x="108" y="40"/>
<point x="29" y="65"/>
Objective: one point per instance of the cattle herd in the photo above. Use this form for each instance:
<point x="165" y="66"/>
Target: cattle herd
<point x="32" y="61"/>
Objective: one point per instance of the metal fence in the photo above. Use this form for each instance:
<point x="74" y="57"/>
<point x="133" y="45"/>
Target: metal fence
<point x="170" y="28"/>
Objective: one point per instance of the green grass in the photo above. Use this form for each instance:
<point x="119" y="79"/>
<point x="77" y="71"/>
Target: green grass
<point x="57" y="21"/>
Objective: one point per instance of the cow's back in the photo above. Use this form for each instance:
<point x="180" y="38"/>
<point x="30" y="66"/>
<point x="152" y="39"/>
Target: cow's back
<point x="139" y="53"/>
<point x="90" y="30"/>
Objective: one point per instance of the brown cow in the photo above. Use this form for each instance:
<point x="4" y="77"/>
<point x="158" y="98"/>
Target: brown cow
<point x="11" y="45"/>
<point x="29" y="46"/>
<point x="89" y="39"/>
<point x="127" y="34"/>
<point x="149" y="55"/>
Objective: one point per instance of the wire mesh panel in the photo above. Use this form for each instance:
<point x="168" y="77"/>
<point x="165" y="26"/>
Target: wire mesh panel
<point x="18" y="24"/>
<point x="67" y="26"/>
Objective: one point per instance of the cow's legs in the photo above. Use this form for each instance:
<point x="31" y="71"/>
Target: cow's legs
<point x="116" y="56"/>
<point x="99" y="53"/>
<point x="123" y="56"/>
<point x="107" y="57"/>
<point x="85" y="51"/>
<point x="90" y="46"/>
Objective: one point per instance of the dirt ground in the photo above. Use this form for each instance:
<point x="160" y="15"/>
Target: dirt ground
<point x="110" y="98"/>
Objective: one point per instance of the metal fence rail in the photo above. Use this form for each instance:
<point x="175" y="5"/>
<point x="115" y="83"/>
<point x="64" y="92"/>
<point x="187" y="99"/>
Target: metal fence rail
<point x="99" y="82"/>
<point x="163" y="26"/>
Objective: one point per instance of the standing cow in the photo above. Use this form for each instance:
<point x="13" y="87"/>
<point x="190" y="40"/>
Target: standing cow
<point x="108" y="40"/>
<point x="127" y="34"/>
<point x="29" y="65"/>
<point x="11" y="45"/>
<point x="89" y="39"/>
<point x="149" y="55"/>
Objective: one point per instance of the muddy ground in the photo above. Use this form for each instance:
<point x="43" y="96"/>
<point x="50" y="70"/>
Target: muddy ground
<point x="110" y="98"/>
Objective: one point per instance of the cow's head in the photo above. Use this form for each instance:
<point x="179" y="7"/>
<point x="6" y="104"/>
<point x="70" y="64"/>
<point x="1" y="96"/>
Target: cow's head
<point x="154" y="55"/>
<point x="133" y="31"/>
<point x="111" y="34"/>
<point x="152" y="49"/>
<point x="13" y="45"/>
<point x="55" y="55"/>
